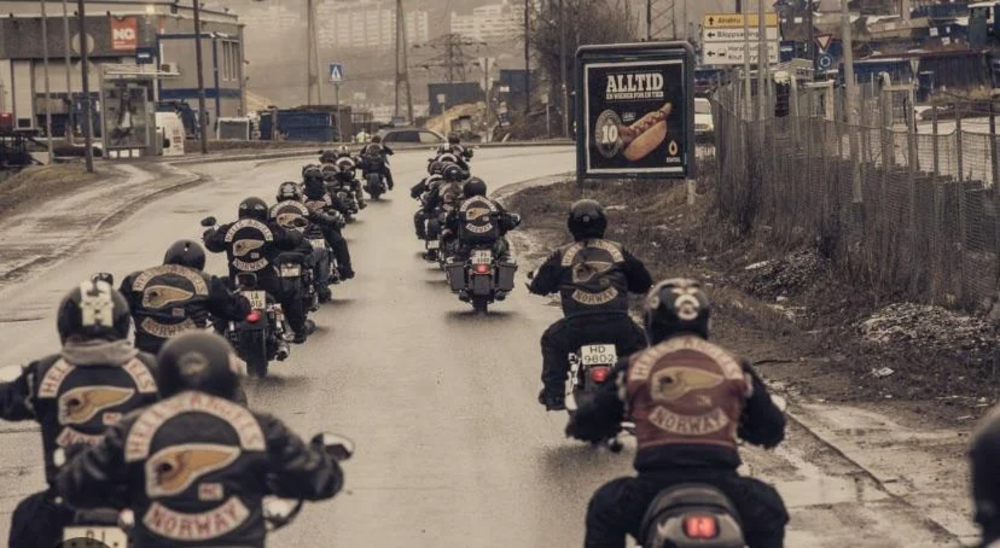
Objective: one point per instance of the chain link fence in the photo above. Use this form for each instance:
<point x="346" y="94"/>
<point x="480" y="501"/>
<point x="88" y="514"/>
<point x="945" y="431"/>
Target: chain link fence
<point x="905" y="208"/>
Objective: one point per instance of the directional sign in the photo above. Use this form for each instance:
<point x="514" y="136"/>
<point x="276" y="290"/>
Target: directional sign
<point x="735" y="20"/>
<point x="736" y="35"/>
<point x="823" y="41"/>
<point x="731" y="53"/>
<point x="336" y="73"/>
<point x="824" y="61"/>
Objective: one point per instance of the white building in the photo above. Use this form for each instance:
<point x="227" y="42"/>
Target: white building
<point x="366" y="24"/>
<point x="495" y="22"/>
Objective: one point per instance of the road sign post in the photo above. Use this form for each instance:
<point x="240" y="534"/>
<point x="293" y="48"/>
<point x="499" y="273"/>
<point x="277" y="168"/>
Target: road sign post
<point x="635" y="116"/>
<point x="336" y="77"/>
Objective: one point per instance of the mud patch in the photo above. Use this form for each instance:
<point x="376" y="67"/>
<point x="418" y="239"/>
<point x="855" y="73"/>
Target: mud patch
<point x="36" y="185"/>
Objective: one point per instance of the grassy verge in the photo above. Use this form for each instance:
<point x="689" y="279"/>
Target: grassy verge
<point x="34" y="185"/>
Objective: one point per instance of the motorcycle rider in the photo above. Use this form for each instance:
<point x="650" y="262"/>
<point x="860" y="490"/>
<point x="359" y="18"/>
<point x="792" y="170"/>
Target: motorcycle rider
<point x="343" y="174"/>
<point x="378" y="147"/>
<point x="443" y="198"/>
<point x="454" y="146"/>
<point x="95" y="379"/>
<point x="594" y="277"/>
<point x="481" y="220"/>
<point x="291" y="206"/>
<point x="319" y="200"/>
<point x="690" y="401"/>
<point x="252" y="245"/>
<point x="178" y="296"/>
<point x="195" y="467"/>
<point x="435" y="170"/>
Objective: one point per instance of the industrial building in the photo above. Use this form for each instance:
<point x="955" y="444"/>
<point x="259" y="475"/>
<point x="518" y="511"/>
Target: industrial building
<point x="153" y="36"/>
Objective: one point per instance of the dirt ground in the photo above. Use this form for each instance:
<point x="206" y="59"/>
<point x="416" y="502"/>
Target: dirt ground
<point x="35" y="185"/>
<point x="812" y="334"/>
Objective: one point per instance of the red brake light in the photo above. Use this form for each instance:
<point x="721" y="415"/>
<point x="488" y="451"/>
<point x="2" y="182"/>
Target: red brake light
<point x="481" y="269"/>
<point x="254" y="316"/>
<point x="703" y="527"/>
<point x="600" y="374"/>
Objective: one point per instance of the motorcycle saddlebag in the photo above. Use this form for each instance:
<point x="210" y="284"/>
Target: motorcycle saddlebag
<point x="505" y="276"/>
<point x="456" y="275"/>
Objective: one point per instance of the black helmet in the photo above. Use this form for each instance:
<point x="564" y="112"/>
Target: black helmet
<point x="587" y="220"/>
<point x="330" y="172"/>
<point x="253" y="208"/>
<point x="435" y="167"/>
<point x="453" y="173"/>
<point x="198" y="361"/>
<point x="94" y="310"/>
<point x="474" y="187"/>
<point x="312" y="172"/>
<point x="678" y="305"/>
<point x="453" y="139"/>
<point x="328" y="157"/>
<point x="186" y="253"/>
<point x="289" y="191"/>
<point x="377" y="139"/>
<point x="315" y="188"/>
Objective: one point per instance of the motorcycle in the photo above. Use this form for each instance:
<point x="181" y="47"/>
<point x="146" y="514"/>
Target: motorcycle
<point x="481" y="279"/>
<point x="373" y="166"/>
<point x="592" y="369"/>
<point x="111" y="528"/>
<point x="260" y="337"/>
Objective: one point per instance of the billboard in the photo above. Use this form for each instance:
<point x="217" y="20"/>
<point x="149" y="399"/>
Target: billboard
<point x="128" y="113"/>
<point x="124" y="33"/>
<point x="636" y="116"/>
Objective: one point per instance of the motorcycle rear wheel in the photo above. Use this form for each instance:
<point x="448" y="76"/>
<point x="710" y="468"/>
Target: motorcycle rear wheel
<point x="480" y="305"/>
<point x="254" y="352"/>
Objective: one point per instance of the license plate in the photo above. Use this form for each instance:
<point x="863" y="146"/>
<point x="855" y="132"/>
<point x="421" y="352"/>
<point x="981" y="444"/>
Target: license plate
<point x="258" y="299"/>
<point x="481" y="256"/>
<point x="291" y="271"/>
<point x="434" y="244"/>
<point x="599" y="354"/>
<point x="318" y="244"/>
<point x="94" y="537"/>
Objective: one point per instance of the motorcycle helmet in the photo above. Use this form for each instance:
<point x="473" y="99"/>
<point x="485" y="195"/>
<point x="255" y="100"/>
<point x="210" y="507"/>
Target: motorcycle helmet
<point x="253" y="208"/>
<point x="289" y="191"/>
<point x="330" y="172"/>
<point x="199" y="361"/>
<point x="186" y="253"/>
<point x="377" y="139"/>
<point x="312" y="172"/>
<point x="436" y="167"/>
<point x="315" y="188"/>
<point x="474" y="187"/>
<point x="343" y="152"/>
<point x="328" y="157"/>
<point x="453" y="139"/>
<point x="453" y="173"/>
<point x="93" y="310"/>
<point x="677" y="305"/>
<point x="587" y="220"/>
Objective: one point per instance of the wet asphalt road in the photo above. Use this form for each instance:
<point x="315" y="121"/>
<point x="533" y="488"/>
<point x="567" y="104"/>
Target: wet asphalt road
<point x="452" y="448"/>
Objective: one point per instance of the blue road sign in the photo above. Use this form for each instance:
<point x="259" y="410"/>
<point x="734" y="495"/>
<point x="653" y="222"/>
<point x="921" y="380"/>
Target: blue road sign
<point x="336" y="72"/>
<point x="824" y="61"/>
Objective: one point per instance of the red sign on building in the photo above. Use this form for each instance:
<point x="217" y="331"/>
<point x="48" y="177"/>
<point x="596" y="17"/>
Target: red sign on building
<point x="124" y="33"/>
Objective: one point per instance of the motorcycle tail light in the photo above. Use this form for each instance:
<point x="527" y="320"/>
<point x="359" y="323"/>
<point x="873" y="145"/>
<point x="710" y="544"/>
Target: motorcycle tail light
<point x="700" y="526"/>
<point x="254" y="316"/>
<point x="481" y="269"/>
<point x="600" y="374"/>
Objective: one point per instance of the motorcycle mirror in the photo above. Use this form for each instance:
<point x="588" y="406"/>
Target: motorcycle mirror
<point x="779" y="402"/>
<point x="107" y="277"/>
<point x="10" y="373"/>
<point x="208" y="222"/>
<point x="337" y="446"/>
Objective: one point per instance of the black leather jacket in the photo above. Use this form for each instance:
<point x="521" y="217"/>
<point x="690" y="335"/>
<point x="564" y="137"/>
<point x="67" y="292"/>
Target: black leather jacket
<point x="194" y="468"/>
<point x="168" y="299"/>
<point x="76" y="394"/>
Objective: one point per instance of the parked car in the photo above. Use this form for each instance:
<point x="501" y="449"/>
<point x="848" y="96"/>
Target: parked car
<point x="410" y="135"/>
<point x="704" y="125"/>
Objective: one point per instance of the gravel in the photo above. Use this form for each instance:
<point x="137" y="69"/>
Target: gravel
<point x="929" y="327"/>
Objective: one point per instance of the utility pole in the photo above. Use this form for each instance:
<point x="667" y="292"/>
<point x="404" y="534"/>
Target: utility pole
<point x="649" y="20"/>
<point x="763" y="60"/>
<point x="811" y="47"/>
<point x="69" y="74"/>
<point x="747" y="84"/>
<point x="402" y="62"/>
<point x="200" y="67"/>
<point x="562" y="67"/>
<point x="312" y="56"/>
<point x="48" y="95"/>
<point x="88" y="129"/>
<point x="852" y="121"/>
<point x="527" y="56"/>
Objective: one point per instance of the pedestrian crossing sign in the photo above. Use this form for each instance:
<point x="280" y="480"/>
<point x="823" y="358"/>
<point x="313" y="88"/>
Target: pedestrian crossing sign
<point x="336" y="73"/>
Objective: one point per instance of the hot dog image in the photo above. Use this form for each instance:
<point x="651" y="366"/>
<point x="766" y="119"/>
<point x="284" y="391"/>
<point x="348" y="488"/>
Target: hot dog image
<point x="645" y="134"/>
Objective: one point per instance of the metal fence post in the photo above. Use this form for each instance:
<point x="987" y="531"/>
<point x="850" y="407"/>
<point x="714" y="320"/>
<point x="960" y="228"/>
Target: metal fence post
<point x="959" y="148"/>
<point x="934" y="142"/>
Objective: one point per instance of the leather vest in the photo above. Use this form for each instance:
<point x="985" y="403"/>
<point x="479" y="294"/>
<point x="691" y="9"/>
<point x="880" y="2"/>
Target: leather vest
<point x="686" y="391"/>
<point x="172" y="299"/>
<point x="593" y="278"/>
<point x="250" y="245"/>
<point x="77" y="403"/>
<point x="285" y="212"/>
<point x="202" y="461"/>
<point x="478" y="220"/>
